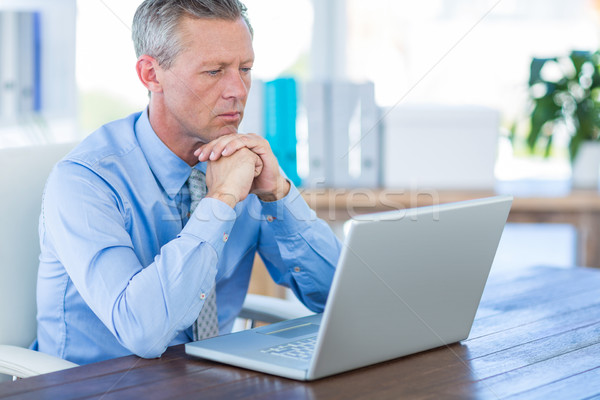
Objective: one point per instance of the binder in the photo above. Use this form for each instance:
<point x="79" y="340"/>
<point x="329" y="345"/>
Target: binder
<point x="280" y="123"/>
<point x="302" y="160"/>
<point x="26" y="61"/>
<point x="371" y="138"/>
<point x="8" y="65"/>
<point x="37" y="62"/>
<point x="356" y="136"/>
<point x="318" y="121"/>
<point x="20" y="66"/>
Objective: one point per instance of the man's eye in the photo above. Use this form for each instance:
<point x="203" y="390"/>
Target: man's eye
<point x="246" y="70"/>
<point x="213" y="73"/>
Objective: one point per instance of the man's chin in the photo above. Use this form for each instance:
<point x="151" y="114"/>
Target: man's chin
<point x="216" y="132"/>
<point x="227" y="130"/>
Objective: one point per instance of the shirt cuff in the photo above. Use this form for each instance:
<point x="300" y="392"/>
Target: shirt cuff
<point x="211" y="222"/>
<point x="289" y="215"/>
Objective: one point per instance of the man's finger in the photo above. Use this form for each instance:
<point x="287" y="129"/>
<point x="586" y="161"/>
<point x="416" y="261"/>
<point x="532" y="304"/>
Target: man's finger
<point x="212" y="150"/>
<point x="229" y="144"/>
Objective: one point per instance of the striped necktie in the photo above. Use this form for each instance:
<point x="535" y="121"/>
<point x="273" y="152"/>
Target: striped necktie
<point x="207" y="324"/>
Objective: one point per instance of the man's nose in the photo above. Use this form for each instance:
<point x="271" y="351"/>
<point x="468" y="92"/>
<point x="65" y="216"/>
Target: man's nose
<point x="236" y="85"/>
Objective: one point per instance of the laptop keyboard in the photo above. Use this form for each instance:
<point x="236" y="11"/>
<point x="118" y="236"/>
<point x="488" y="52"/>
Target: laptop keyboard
<point x="302" y="349"/>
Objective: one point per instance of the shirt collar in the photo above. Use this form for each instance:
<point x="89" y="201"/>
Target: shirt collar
<point x="170" y="170"/>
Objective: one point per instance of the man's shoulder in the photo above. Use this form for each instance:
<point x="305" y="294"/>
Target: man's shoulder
<point x="115" y="139"/>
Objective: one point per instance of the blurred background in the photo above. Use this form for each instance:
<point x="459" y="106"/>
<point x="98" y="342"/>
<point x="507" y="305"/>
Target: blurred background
<point x="447" y="96"/>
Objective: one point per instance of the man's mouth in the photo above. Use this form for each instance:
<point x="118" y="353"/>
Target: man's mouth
<point x="231" y="116"/>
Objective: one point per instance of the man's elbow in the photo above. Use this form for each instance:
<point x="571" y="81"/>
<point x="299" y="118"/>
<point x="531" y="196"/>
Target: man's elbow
<point x="146" y="343"/>
<point x="147" y="351"/>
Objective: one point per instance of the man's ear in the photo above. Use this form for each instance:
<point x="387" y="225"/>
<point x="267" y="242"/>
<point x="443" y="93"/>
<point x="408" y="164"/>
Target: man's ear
<point x="146" y="68"/>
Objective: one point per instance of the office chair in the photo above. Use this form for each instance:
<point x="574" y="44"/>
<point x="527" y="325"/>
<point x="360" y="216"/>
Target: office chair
<point x="24" y="173"/>
<point x="23" y="176"/>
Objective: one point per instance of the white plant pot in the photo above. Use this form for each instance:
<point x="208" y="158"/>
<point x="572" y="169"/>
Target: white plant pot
<point x="585" y="169"/>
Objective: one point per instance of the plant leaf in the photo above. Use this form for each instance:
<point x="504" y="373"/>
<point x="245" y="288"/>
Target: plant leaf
<point x="545" y="110"/>
<point x="574" y="146"/>
<point x="535" y="70"/>
<point x="578" y="58"/>
<point x="548" y="146"/>
<point x="585" y="120"/>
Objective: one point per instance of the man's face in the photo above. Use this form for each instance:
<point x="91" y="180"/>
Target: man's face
<point x="205" y="90"/>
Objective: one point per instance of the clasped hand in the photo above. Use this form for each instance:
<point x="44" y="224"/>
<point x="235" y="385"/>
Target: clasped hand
<point x="239" y="164"/>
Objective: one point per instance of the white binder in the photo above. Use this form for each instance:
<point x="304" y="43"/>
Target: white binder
<point x="356" y="135"/>
<point x="316" y="104"/>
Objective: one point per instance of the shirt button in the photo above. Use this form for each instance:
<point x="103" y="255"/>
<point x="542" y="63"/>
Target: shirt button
<point x="296" y="269"/>
<point x="202" y="296"/>
<point x="270" y="218"/>
<point x="225" y="237"/>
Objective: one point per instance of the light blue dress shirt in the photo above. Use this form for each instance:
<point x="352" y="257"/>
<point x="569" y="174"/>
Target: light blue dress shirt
<point x="123" y="271"/>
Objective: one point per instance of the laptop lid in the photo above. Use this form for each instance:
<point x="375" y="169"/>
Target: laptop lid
<point x="409" y="280"/>
<point x="406" y="281"/>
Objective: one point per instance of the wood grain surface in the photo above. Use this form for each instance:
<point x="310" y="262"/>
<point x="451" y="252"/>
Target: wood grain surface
<point x="536" y="336"/>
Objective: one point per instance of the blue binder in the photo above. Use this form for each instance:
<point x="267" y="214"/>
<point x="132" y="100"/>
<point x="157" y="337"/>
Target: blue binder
<point x="280" y="123"/>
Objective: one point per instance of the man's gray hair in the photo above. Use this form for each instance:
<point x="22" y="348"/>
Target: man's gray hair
<point x="154" y="29"/>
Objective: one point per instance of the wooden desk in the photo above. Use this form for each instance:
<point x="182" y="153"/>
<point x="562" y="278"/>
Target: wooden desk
<point x="580" y="209"/>
<point x="536" y="335"/>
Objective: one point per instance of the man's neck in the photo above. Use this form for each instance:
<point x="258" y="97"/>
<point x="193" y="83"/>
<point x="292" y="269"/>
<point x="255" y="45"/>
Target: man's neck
<point x="183" y="146"/>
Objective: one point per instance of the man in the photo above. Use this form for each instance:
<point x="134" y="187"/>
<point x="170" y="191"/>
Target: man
<point x="125" y="267"/>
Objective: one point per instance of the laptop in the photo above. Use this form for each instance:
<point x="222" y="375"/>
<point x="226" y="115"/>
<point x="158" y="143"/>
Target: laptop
<point x="406" y="281"/>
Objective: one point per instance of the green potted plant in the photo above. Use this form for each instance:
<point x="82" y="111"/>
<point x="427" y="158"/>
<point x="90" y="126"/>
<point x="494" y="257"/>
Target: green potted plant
<point x="565" y="92"/>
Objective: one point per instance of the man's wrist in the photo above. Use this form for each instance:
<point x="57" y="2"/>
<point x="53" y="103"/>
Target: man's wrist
<point x="281" y="190"/>
<point x="226" y="198"/>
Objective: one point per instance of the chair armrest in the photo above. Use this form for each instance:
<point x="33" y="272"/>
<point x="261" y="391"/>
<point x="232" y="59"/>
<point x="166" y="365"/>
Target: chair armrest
<point x="271" y="309"/>
<point x="23" y="363"/>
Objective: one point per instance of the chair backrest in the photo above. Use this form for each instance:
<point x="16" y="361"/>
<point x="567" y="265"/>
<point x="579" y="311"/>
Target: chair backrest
<point x="23" y="174"/>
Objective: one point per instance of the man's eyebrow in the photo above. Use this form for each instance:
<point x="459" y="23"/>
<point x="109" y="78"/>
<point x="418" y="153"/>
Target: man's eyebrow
<point x="220" y="64"/>
<point x="212" y="64"/>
